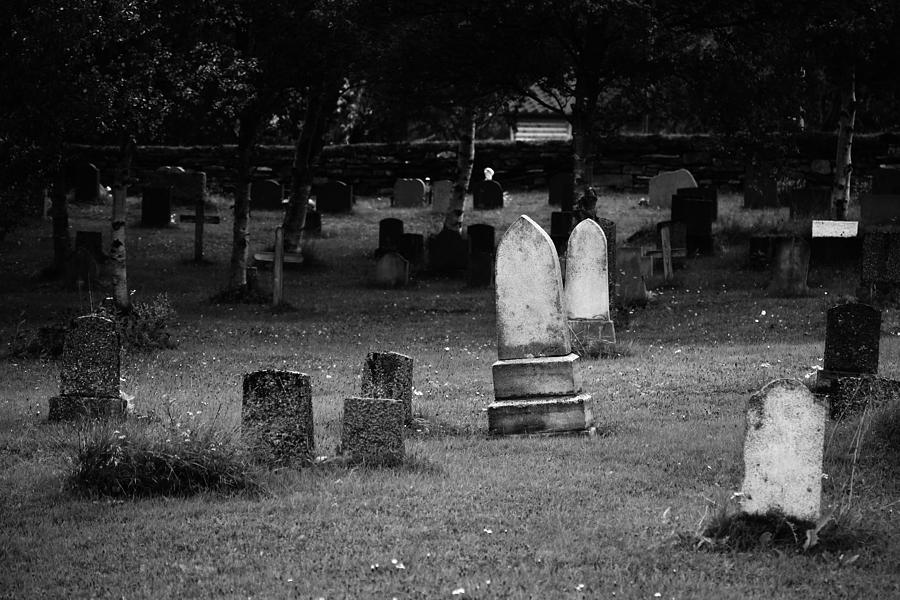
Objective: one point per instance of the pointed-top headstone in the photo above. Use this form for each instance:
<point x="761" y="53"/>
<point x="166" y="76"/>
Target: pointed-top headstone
<point x="587" y="273"/>
<point x="531" y="316"/>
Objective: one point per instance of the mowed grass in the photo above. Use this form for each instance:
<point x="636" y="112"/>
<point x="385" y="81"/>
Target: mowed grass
<point x="613" y="515"/>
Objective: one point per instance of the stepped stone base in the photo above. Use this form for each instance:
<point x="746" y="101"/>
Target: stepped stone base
<point x="66" y="408"/>
<point x="536" y="377"/>
<point x="541" y="415"/>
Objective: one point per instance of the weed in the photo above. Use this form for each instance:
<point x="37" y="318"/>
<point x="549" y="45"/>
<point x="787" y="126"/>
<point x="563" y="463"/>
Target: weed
<point x="145" y="325"/>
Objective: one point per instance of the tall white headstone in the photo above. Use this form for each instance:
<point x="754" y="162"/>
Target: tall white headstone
<point x="587" y="289"/>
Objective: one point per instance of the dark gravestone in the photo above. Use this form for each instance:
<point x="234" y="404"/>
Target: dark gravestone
<point x="609" y="230"/>
<point x="188" y="187"/>
<point x="277" y="416"/>
<point x="389" y="375"/>
<point x="266" y="194"/>
<point x="412" y="248"/>
<point x="561" y="225"/>
<point x="810" y="203"/>
<point x="481" y="254"/>
<point x="790" y="267"/>
<point x="488" y="195"/>
<point x="334" y="197"/>
<point x="372" y="431"/>
<point x="879" y="209"/>
<point x="706" y="193"/>
<point x="84" y="179"/>
<point x="390" y="231"/>
<point x="562" y="191"/>
<point x="760" y="188"/>
<point x="448" y="252"/>
<point x="391" y="270"/>
<point x="852" y="337"/>
<point x="156" y="207"/>
<point x="313" y="224"/>
<point x="835" y="242"/>
<point x="408" y="193"/>
<point x="886" y="181"/>
<point x="92" y="241"/>
<point x="881" y="256"/>
<point x="697" y="214"/>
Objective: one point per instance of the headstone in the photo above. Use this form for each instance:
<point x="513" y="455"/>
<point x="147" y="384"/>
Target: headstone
<point x="277" y="415"/>
<point x="697" y="215"/>
<point x="334" y="197"/>
<point x="188" y="187"/>
<point x="835" y="242"/>
<point x="92" y="241"/>
<point x="632" y="286"/>
<point x="156" y="207"/>
<point x="266" y="194"/>
<point x="810" y="203"/>
<point x="389" y="375"/>
<point x="561" y="225"/>
<point x="487" y="195"/>
<point x="536" y="379"/>
<point x="412" y="248"/>
<point x="391" y="271"/>
<point x="587" y="289"/>
<point x="562" y="191"/>
<point x="390" y="230"/>
<point x="664" y="185"/>
<point x="706" y="193"/>
<point x="886" y="181"/>
<point x="372" y="431"/>
<point x="790" y="267"/>
<point x="760" y="188"/>
<point x="89" y="376"/>
<point x="609" y="230"/>
<point x="852" y="339"/>
<point x="313" y="224"/>
<point x="448" y="252"/>
<point x="84" y="179"/>
<point x="881" y="257"/>
<point x="409" y="193"/>
<point x="784" y="452"/>
<point x="441" y="195"/>
<point x="481" y="254"/>
<point x="879" y="210"/>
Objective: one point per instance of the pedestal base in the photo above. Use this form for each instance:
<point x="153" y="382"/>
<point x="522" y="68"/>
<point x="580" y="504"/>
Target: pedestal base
<point x="542" y="415"/>
<point x="536" y="377"/>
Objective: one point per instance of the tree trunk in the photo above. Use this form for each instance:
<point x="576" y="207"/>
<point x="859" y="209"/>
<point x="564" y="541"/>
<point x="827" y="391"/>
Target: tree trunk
<point x="840" y="191"/>
<point x="465" y="161"/>
<point x="59" y="212"/>
<point x="119" y="210"/>
<point x="320" y="110"/>
<point x="240" y="247"/>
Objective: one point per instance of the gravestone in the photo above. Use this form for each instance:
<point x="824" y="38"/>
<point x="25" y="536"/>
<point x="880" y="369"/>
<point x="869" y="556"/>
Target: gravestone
<point x="852" y="339"/>
<point x="390" y="230"/>
<point x="537" y="382"/>
<point x="266" y="194"/>
<point x="705" y="193"/>
<point x="609" y="230"/>
<point x="90" y="372"/>
<point x="188" y="187"/>
<point x="277" y="416"/>
<point x="697" y="214"/>
<point x="587" y="289"/>
<point x="760" y="188"/>
<point x="561" y="225"/>
<point x="389" y="375"/>
<point x="487" y="195"/>
<point x="412" y="248"/>
<point x="481" y="254"/>
<point x="790" y="267"/>
<point x="441" y="195"/>
<point x="562" y="191"/>
<point x="879" y="210"/>
<point x="448" y="252"/>
<point x="886" y="181"/>
<point x="334" y="197"/>
<point x="84" y="179"/>
<point x="881" y="257"/>
<point x="156" y="207"/>
<point x="784" y="449"/>
<point x="92" y="241"/>
<point x="391" y="271"/>
<point x="810" y="203"/>
<point x="835" y="242"/>
<point x="632" y="286"/>
<point x="664" y="185"/>
<point x="372" y="431"/>
<point x="313" y="224"/>
<point x="408" y="193"/>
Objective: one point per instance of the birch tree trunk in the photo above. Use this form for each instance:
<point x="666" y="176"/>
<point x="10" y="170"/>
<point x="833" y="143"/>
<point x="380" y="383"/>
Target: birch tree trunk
<point x="240" y="246"/>
<point x="465" y="162"/>
<point x="119" y="216"/>
<point x="843" y="166"/>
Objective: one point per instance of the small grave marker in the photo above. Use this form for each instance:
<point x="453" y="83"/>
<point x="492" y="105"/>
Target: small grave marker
<point x="441" y="195"/>
<point x="790" y="267"/>
<point x="277" y="415"/>
<point x="664" y="185"/>
<point x="372" y="430"/>
<point x="852" y="338"/>
<point x="391" y="271"/>
<point x="587" y="288"/>
<point x="487" y="195"/>
<point x="389" y="375"/>
<point x="408" y="193"/>
<point x="390" y="230"/>
<point x="334" y="197"/>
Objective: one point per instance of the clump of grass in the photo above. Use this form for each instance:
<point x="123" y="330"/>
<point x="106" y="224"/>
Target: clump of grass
<point x="134" y="459"/>
<point x="145" y="326"/>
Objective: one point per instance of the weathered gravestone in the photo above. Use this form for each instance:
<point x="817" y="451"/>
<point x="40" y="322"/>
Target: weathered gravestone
<point x="156" y="207"/>
<point x="412" y="248"/>
<point x="92" y="241"/>
<point x="632" y="286"/>
<point x="389" y="375"/>
<point x="441" y="195"/>
<point x="587" y="289"/>
<point x="408" y="193"/>
<point x="609" y="230"/>
<point x="390" y="230"/>
<point x="391" y="271"/>
<point x="372" y="431"/>
<point x="790" y="267"/>
<point x="664" y="185"/>
<point x="277" y="415"/>
<point x="447" y="252"/>
<point x="879" y="210"/>
<point x="697" y="214"/>
<point x="537" y="382"/>
<point x="487" y="195"/>
<point x="334" y="197"/>
<point x="90" y="372"/>
<point x="810" y="203"/>
<point x="886" y="180"/>
<point x="881" y="257"/>
<point x="481" y="254"/>
<point x="784" y="451"/>
<point x="562" y="191"/>
<point x="852" y="337"/>
<point x="266" y="194"/>
<point x="760" y="188"/>
<point x="83" y="179"/>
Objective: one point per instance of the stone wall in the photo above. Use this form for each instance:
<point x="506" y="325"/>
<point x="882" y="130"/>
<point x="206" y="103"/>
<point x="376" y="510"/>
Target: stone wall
<point x="623" y="162"/>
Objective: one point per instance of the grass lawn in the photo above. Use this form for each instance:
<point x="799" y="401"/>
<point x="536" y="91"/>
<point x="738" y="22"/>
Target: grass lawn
<point x="469" y="516"/>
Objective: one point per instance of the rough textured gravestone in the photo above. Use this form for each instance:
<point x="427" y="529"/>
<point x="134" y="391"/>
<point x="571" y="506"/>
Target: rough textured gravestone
<point x="334" y="197"/>
<point x="447" y="252"/>
<point x="487" y="195"/>
<point x="852" y="338"/>
<point x="412" y="248"/>
<point x="587" y="288"/>
<point x="409" y="193"/>
<point x="84" y="179"/>
<point x="609" y="230"/>
<point x="481" y="254"/>
<point x="697" y="216"/>
<point x="441" y="195"/>
<point x="390" y="231"/>
<point x="879" y="210"/>
<point x="810" y="203"/>
<point x="790" y="267"/>
<point x="389" y="375"/>
<point x="536" y="379"/>
<point x="92" y="241"/>
<point x="266" y="194"/>
<point x="664" y="185"/>
<point x="372" y="430"/>
<point x="881" y="256"/>
<point x="886" y="181"/>
<point x="277" y="415"/>
<point x="156" y="207"/>
<point x="562" y="191"/>
<point x="783" y="452"/>
<point x="632" y="287"/>
<point x="90" y="371"/>
<point x="188" y="187"/>
<point x="561" y="225"/>
<point x="760" y="188"/>
<point x="391" y="271"/>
